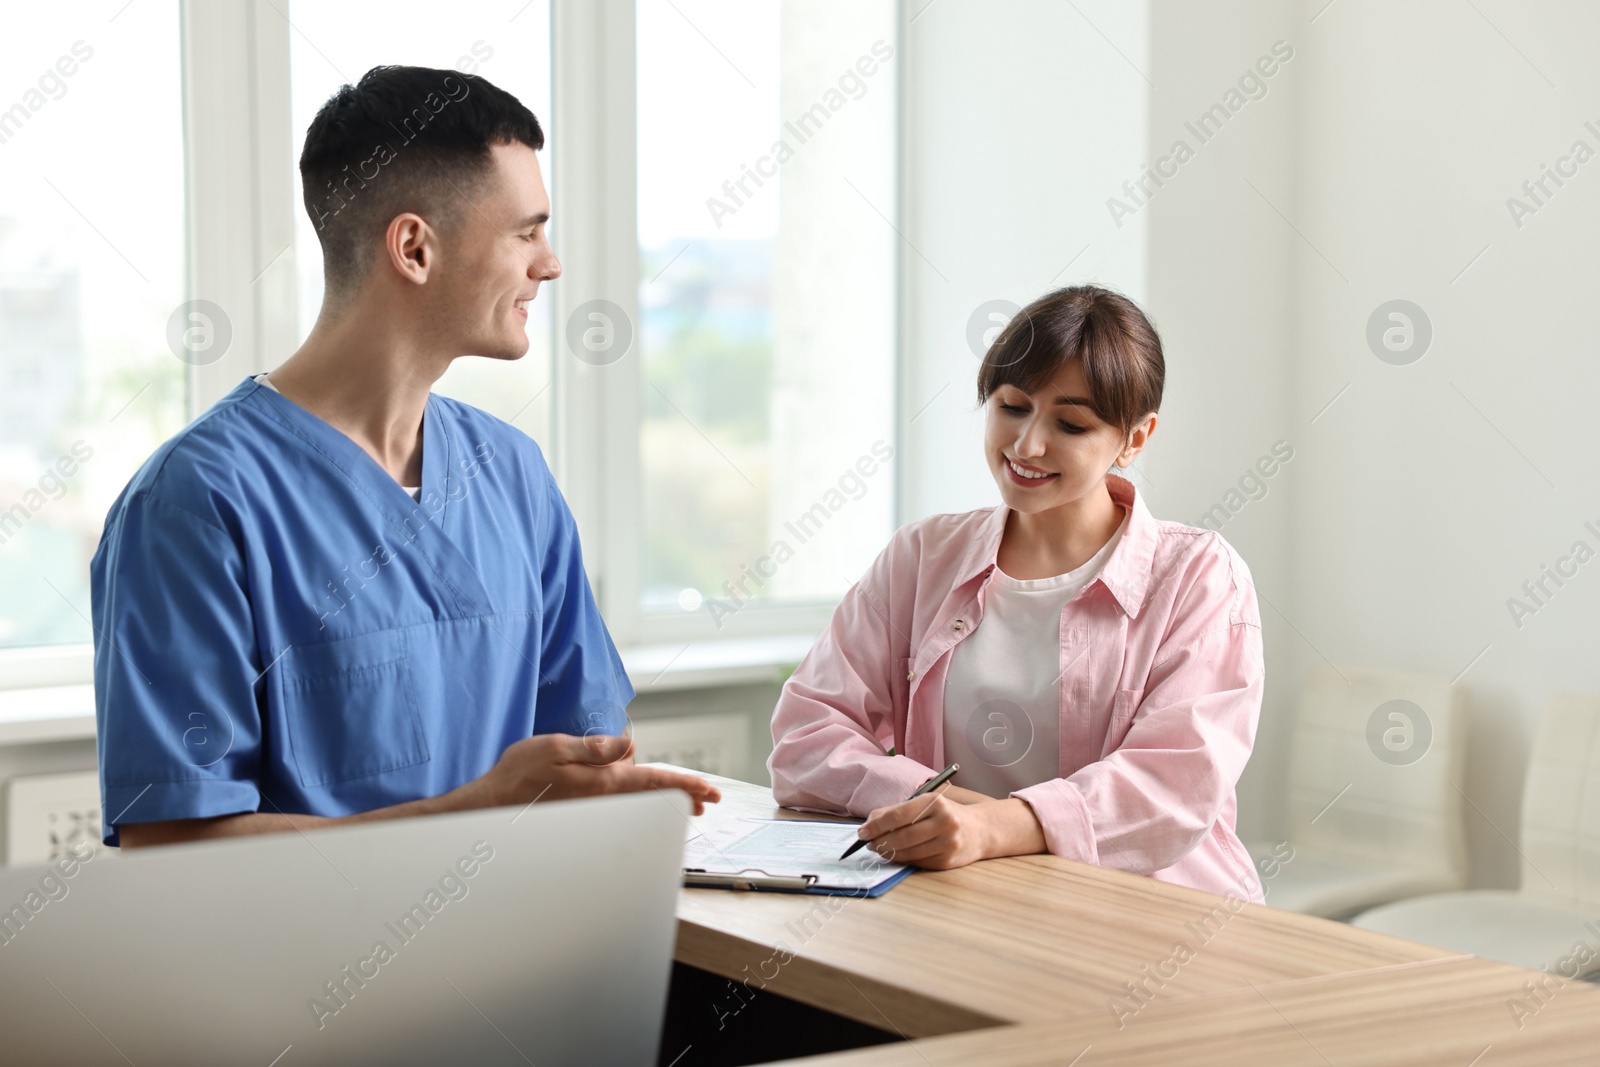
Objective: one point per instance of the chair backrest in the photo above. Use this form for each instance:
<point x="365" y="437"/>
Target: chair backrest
<point x="1561" y="807"/>
<point x="1391" y="747"/>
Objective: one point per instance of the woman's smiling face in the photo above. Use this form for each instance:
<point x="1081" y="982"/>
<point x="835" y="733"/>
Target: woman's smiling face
<point x="1051" y="447"/>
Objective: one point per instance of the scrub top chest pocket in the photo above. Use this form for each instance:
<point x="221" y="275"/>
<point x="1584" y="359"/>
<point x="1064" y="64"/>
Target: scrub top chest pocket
<point x="350" y="708"/>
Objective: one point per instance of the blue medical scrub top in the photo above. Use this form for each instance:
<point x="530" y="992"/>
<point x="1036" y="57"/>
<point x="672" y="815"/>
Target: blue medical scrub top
<point x="280" y="627"/>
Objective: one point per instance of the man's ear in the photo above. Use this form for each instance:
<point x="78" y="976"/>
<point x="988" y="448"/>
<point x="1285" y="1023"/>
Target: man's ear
<point x="411" y="245"/>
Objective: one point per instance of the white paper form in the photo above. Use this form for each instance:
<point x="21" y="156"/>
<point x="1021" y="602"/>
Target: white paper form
<point x="789" y="848"/>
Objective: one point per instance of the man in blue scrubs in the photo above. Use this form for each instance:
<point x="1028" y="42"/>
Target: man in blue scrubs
<point x="336" y="597"/>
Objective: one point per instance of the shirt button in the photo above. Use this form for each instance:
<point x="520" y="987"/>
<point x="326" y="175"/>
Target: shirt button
<point x="911" y="676"/>
<point x="959" y="624"/>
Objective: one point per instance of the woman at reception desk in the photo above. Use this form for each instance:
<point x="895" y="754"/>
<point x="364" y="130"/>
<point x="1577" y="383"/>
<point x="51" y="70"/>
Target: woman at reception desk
<point x="1096" y="672"/>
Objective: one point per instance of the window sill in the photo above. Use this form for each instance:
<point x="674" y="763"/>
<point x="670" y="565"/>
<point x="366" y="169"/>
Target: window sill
<point x="66" y="712"/>
<point x="705" y="664"/>
<point x="47" y="713"/>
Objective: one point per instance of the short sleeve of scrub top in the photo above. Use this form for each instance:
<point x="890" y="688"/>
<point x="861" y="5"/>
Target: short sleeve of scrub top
<point x="174" y="752"/>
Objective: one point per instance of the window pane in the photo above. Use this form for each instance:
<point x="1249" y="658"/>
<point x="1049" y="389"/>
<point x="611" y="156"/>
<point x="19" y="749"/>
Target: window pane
<point x="508" y="43"/>
<point x="767" y="298"/>
<point x="91" y="270"/>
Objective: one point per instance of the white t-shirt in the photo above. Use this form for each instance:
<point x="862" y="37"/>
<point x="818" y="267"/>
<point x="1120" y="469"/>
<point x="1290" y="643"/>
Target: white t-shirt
<point x="1002" y="695"/>
<point x="414" y="490"/>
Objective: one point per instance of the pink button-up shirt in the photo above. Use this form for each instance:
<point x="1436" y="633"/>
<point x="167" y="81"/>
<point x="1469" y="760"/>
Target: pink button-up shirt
<point x="1161" y="684"/>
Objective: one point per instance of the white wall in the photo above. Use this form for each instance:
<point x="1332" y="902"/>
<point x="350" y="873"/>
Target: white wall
<point x="1019" y="118"/>
<point x="1419" y="502"/>
<point x="1222" y="296"/>
<point x="1423" y="502"/>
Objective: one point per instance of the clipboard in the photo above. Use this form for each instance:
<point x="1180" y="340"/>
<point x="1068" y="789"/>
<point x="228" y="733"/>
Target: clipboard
<point x="786" y="856"/>
<point x="756" y="879"/>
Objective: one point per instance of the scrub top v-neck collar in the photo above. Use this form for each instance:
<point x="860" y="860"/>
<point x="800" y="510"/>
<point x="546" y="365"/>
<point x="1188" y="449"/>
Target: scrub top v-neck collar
<point x="365" y="471"/>
<point x="432" y="527"/>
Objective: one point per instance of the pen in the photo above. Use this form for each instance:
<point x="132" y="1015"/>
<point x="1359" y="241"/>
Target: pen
<point x="927" y="787"/>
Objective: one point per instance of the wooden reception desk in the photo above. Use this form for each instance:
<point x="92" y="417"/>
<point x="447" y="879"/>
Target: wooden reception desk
<point x="1450" y="1012"/>
<point x="1047" y="949"/>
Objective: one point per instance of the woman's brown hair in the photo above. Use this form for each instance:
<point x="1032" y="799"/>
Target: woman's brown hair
<point x="1119" y="349"/>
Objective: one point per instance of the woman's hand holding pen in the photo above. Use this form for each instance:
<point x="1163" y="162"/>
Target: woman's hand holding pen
<point x="939" y="833"/>
<point x="930" y="831"/>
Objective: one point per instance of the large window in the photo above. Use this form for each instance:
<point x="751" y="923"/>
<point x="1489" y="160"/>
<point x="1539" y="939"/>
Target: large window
<point x="731" y="469"/>
<point x="767" y="255"/>
<point x="337" y="41"/>
<point x="92" y="335"/>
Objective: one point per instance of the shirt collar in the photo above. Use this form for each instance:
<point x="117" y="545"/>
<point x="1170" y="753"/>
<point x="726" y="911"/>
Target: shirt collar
<point x="1126" y="574"/>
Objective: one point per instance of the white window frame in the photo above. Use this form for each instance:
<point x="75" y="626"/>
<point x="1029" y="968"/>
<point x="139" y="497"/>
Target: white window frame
<point x="595" y="228"/>
<point x="240" y="209"/>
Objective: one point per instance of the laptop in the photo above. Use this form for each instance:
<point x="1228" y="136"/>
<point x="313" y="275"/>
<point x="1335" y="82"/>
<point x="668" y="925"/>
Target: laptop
<point x="539" y="934"/>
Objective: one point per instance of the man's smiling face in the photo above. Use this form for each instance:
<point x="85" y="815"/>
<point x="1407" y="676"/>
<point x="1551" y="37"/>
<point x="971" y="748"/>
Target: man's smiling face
<point x="498" y="256"/>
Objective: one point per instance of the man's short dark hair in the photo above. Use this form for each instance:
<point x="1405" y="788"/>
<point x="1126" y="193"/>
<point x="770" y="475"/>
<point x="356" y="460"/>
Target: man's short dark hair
<point x="401" y="139"/>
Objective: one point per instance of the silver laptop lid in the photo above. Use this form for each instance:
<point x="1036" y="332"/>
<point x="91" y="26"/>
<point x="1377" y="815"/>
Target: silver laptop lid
<point x="541" y="934"/>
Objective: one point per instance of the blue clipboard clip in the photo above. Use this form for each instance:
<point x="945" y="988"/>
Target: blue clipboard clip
<point x="744" y="879"/>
